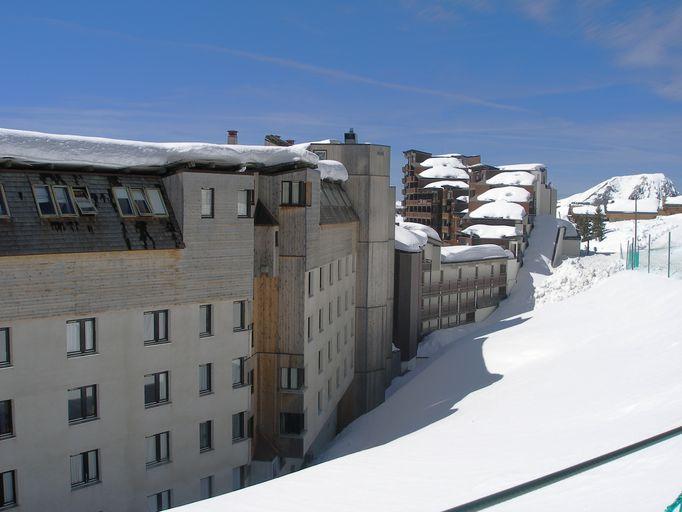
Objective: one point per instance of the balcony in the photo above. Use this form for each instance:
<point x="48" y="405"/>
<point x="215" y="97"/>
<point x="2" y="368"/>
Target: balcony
<point x="464" y="285"/>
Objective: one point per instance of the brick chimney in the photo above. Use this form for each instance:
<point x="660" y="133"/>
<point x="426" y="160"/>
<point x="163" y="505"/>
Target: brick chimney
<point x="350" y="137"/>
<point x="232" y="137"/>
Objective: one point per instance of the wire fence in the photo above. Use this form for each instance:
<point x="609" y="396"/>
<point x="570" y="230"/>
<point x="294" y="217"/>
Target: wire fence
<point x="659" y="257"/>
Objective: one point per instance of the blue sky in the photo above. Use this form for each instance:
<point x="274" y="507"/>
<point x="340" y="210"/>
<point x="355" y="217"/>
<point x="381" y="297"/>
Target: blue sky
<point x="592" y="88"/>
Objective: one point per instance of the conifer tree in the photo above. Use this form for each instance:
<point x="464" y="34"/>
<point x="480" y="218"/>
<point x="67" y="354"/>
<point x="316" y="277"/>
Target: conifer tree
<point x="583" y="224"/>
<point x="599" y="225"/>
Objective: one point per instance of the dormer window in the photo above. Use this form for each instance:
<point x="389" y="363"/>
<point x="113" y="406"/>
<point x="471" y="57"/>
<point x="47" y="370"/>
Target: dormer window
<point x="140" y="200"/>
<point x="62" y="197"/>
<point x="143" y="202"/>
<point x="123" y="202"/>
<point x="156" y="202"/>
<point x="82" y="198"/>
<point x="44" y="201"/>
<point x="4" y="209"/>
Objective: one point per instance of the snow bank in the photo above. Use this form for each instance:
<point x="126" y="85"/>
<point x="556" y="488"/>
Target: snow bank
<point x="408" y="241"/>
<point x="444" y="172"/>
<point x="422" y="229"/>
<point x="510" y="194"/>
<point x="460" y="253"/>
<point x="439" y="161"/>
<point x="448" y="183"/>
<point x="649" y="205"/>
<point x="332" y="170"/>
<point x="113" y="153"/>
<point x="620" y="232"/>
<point x="570" y="227"/>
<point x="521" y="178"/>
<point x="522" y="167"/>
<point x="499" y="210"/>
<point x="575" y="275"/>
<point x="488" y="231"/>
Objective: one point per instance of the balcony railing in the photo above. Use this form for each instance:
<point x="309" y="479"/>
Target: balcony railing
<point x="464" y="285"/>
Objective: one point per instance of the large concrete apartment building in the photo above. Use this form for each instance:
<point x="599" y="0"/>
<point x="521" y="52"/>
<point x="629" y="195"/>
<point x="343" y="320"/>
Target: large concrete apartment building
<point x="182" y="320"/>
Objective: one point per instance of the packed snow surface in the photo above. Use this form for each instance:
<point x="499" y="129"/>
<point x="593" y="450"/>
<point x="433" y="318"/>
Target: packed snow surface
<point x="510" y="194"/>
<point x="521" y="178"/>
<point x="522" y="167"/>
<point x="524" y="393"/>
<point x="489" y="231"/>
<point x="422" y="229"/>
<point x="460" y="253"/>
<point x="445" y="172"/>
<point x="619" y="233"/>
<point x="628" y="205"/>
<point x="440" y="161"/>
<point x="113" y="153"/>
<point x="332" y="170"/>
<point x="408" y="241"/>
<point x="499" y="210"/>
<point x="448" y="183"/>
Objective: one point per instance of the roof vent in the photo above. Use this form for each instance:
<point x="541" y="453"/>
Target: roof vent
<point x="349" y="137"/>
<point x="232" y="137"/>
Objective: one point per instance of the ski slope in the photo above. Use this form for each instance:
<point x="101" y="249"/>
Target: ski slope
<point x="529" y="391"/>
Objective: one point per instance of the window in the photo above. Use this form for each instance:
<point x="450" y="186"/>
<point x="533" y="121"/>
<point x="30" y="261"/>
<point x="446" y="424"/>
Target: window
<point x="321" y="278"/>
<point x="239" y="315"/>
<point x="5" y="352"/>
<point x="345" y="265"/>
<point x="155" y="326"/>
<point x="311" y="288"/>
<point x="205" y="378"/>
<point x="338" y="377"/>
<point x="62" y="197"/>
<point x="4" y="209"/>
<point x="158" y="449"/>
<point x="244" y="203"/>
<point x="159" y="501"/>
<point x="80" y="337"/>
<point x="338" y="342"/>
<point x="206" y="320"/>
<point x="320" y="405"/>
<point x="329" y="389"/>
<point x="8" y="486"/>
<point x="205" y="436"/>
<point x="352" y="295"/>
<point x="85" y="468"/>
<point x="44" y="201"/>
<point x="319" y="361"/>
<point x="206" y="487"/>
<point x="6" y="423"/>
<point x="331" y="275"/>
<point x="291" y="423"/>
<point x="309" y="327"/>
<point x="320" y="321"/>
<point x="345" y="300"/>
<point x="293" y="193"/>
<point x="156" y="203"/>
<point x="338" y="306"/>
<point x="338" y="270"/>
<point x="82" y="403"/>
<point x="83" y="200"/>
<point x="238" y="426"/>
<point x="238" y="477"/>
<point x="238" y="372"/>
<point x="321" y="153"/>
<point x="345" y="334"/>
<point x="140" y="201"/>
<point x="329" y="350"/>
<point x="156" y="389"/>
<point x="330" y="313"/>
<point x="123" y="202"/>
<point x="291" y="378"/>
<point x="207" y="203"/>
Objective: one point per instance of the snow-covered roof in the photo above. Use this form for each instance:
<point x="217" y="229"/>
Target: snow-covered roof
<point x="36" y="147"/>
<point x="570" y="227"/>
<point x="499" y="210"/>
<point x="649" y="205"/>
<point x="523" y="167"/>
<point x="439" y="161"/>
<point x="448" y="183"/>
<point x="522" y="178"/>
<point x="676" y="201"/>
<point x="509" y="194"/>
<point x="408" y="241"/>
<point x="446" y="155"/>
<point x="463" y="198"/>
<point x="421" y="230"/>
<point x="445" y="172"/>
<point x="332" y="170"/>
<point x="461" y="253"/>
<point x="488" y="231"/>
<point x="584" y="209"/>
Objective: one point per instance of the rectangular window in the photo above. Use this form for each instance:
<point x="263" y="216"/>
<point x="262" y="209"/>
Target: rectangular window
<point x="159" y="501"/>
<point x="206" y="487"/>
<point x="80" y="337"/>
<point x="309" y="327"/>
<point x="291" y="423"/>
<point x="320" y="360"/>
<point x="82" y="403"/>
<point x="338" y="342"/>
<point x="4" y="208"/>
<point x="155" y="326"/>
<point x="331" y="275"/>
<point x="6" y="422"/>
<point x="205" y="436"/>
<point x="83" y="200"/>
<point x="5" y="350"/>
<point x="321" y="278"/>
<point x="205" y="378"/>
<point x="320" y="405"/>
<point x="205" y="320"/>
<point x="207" y="200"/>
<point x="238" y="477"/>
<point x="338" y="377"/>
<point x="239" y="315"/>
<point x="238" y="426"/>
<point x="238" y="372"/>
<point x="320" y="320"/>
<point x="293" y="193"/>
<point x="311" y="288"/>
<point x="140" y="200"/>
<point x="156" y="202"/>
<point x="345" y="334"/>
<point x="338" y="306"/>
<point x="329" y="350"/>
<point x="156" y="389"/>
<point x="85" y="468"/>
<point x="8" y="489"/>
<point x="338" y="270"/>
<point x="158" y="449"/>
<point x="330" y="313"/>
<point x="291" y="378"/>
<point x="345" y="265"/>
<point x="44" y="200"/>
<point x="329" y="389"/>
<point x="123" y="202"/>
<point x="345" y="300"/>
<point x="244" y="203"/>
<point x="62" y="197"/>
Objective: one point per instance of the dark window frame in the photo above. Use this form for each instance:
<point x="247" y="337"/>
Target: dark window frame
<point x="8" y="347"/>
<point x="83" y="208"/>
<point x="211" y="195"/>
<point x="287" y="193"/>
<point x="86" y="473"/>
<point x="241" y="325"/>
<point x="208" y="424"/>
<point x="209" y="379"/>
<point x="242" y="373"/>
<point x="69" y="196"/>
<point x="50" y="197"/>
<point x="209" y="320"/>
<point x="286" y="377"/>
<point x="240" y="434"/>
<point x="157" y="339"/>
<point x="159" y="499"/>
<point x="84" y="416"/>
<point x="158" y="460"/>
<point x="9" y="430"/>
<point x="83" y="350"/>
<point x="133" y="209"/>
<point x="8" y="504"/>
<point x="249" y="203"/>
<point x="157" y="389"/>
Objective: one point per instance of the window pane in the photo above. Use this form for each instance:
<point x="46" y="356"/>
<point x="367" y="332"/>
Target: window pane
<point x="163" y="386"/>
<point x="156" y="201"/>
<point x="205" y="319"/>
<point x="149" y="326"/>
<point x="4" y="346"/>
<point x="83" y="200"/>
<point x="205" y="435"/>
<point x="163" y="445"/>
<point x="61" y="195"/>
<point x="165" y="500"/>
<point x="237" y="372"/>
<point x="293" y="375"/>
<point x="206" y="487"/>
<point x="140" y="201"/>
<point x="76" y="469"/>
<point x="151" y="449"/>
<point x="207" y="202"/>
<point x="73" y="337"/>
<point x="236" y="478"/>
<point x="238" y="312"/>
<point x="90" y="401"/>
<point x="153" y="503"/>
<point x="162" y="319"/>
<point x="286" y="191"/>
<point x="242" y="203"/>
<point x="93" y="469"/>
<point x="75" y="410"/>
<point x="8" y="488"/>
<point x="6" y="418"/>
<point x="125" y="206"/>
<point x="149" y="389"/>
<point x="44" y="200"/>
<point x="204" y="378"/>
<point x="295" y="193"/>
<point x="89" y="328"/>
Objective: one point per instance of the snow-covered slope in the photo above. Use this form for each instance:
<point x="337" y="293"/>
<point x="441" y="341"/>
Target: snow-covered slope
<point x="634" y="186"/>
<point x="527" y="392"/>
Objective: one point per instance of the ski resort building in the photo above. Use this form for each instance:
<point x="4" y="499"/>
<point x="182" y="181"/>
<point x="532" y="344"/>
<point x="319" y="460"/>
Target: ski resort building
<point x="181" y="320"/>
